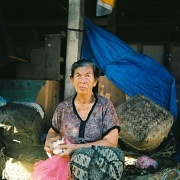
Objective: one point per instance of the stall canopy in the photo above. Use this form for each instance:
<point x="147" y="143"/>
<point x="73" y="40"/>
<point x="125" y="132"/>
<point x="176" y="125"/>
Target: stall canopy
<point x="130" y="71"/>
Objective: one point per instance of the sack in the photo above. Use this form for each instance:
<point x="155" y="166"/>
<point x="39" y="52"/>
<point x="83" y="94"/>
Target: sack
<point x="97" y="163"/>
<point x="54" y="167"/>
<point x="21" y="123"/>
<point x="144" y="124"/>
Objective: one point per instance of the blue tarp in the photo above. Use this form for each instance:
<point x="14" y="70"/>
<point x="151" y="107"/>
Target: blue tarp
<point x="132" y="72"/>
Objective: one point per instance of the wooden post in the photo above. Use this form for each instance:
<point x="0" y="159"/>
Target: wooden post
<point x="74" y="40"/>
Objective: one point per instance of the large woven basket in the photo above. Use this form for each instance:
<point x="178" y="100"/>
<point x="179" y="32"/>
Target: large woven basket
<point x="144" y="124"/>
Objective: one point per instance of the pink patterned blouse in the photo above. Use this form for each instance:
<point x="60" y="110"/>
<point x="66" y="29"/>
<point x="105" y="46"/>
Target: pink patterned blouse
<point x="101" y="119"/>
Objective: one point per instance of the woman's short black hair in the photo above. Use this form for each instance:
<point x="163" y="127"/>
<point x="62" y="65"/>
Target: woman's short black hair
<point x="82" y="63"/>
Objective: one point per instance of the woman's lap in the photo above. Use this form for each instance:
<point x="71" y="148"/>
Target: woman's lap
<point x="98" y="163"/>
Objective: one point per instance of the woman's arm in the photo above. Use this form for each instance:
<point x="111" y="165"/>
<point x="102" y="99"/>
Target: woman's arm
<point x="111" y="139"/>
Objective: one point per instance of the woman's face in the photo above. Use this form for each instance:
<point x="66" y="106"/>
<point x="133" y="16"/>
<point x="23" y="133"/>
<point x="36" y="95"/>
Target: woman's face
<point x="83" y="80"/>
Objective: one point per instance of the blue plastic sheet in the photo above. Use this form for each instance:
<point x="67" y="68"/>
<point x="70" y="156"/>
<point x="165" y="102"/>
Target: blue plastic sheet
<point x="132" y="72"/>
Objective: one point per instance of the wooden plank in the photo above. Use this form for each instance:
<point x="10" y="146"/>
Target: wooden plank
<point x="52" y="56"/>
<point x="154" y="51"/>
<point x="35" y="69"/>
<point x="37" y="65"/>
<point x="74" y="40"/>
<point x="176" y="64"/>
<point x="48" y="98"/>
<point x="14" y="58"/>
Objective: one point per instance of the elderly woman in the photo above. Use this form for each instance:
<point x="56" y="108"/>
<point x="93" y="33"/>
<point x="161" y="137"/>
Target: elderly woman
<point x="88" y="122"/>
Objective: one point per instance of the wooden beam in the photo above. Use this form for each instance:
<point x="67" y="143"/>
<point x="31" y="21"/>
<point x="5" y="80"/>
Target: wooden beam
<point x="74" y="40"/>
<point x="63" y="23"/>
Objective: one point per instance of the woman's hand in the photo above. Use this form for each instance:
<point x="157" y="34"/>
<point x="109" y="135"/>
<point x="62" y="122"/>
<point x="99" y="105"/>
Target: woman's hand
<point x="67" y="149"/>
<point x="52" y="136"/>
<point x="48" y="147"/>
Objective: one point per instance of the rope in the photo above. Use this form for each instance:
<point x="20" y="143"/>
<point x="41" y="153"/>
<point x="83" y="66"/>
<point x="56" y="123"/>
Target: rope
<point x="164" y="177"/>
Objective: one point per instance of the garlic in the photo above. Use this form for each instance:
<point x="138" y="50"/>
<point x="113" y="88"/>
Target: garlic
<point x="56" y="148"/>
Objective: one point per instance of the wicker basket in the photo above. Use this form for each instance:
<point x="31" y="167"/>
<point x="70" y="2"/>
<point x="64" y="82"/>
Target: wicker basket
<point x="144" y="124"/>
